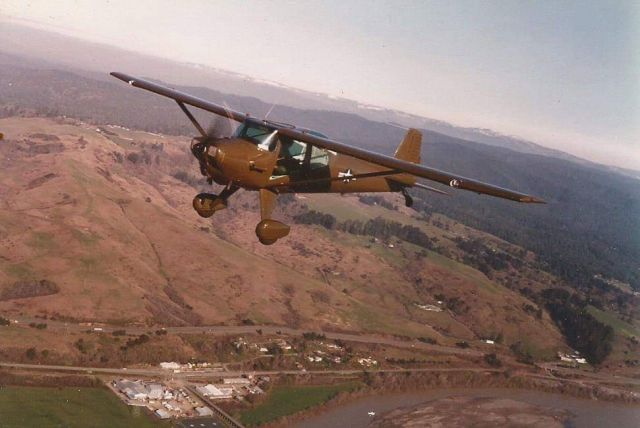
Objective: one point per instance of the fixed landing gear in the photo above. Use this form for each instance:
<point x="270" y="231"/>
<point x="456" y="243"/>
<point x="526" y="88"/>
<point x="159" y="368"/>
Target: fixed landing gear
<point x="206" y="204"/>
<point x="408" y="200"/>
<point x="268" y="230"/>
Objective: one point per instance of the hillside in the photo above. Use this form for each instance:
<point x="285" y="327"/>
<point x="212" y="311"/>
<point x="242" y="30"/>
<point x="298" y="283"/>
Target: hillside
<point x="588" y="229"/>
<point x="100" y="214"/>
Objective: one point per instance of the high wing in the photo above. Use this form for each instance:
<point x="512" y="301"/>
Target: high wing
<point x="181" y="97"/>
<point x="398" y="165"/>
<point x="418" y="170"/>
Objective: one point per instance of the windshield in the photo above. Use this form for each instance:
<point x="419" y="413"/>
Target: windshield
<point x="253" y="132"/>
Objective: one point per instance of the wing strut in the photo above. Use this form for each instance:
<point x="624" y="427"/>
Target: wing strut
<point x="192" y="118"/>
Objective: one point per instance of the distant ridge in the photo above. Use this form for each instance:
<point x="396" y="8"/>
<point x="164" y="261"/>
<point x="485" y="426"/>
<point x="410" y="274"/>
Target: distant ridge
<point x="64" y="51"/>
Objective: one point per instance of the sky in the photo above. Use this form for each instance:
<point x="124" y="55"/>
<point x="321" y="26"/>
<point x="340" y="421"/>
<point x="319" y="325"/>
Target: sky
<point x="564" y="74"/>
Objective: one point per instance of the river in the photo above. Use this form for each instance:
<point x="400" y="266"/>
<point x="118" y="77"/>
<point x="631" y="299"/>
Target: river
<point x="587" y="413"/>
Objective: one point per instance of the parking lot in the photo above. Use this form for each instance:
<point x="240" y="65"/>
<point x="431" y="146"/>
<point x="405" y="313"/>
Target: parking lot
<point x="210" y="422"/>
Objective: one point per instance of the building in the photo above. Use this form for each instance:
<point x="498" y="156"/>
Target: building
<point x="155" y="391"/>
<point x="367" y="362"/>
<point x="170" y="366"/>
<point x="236" y="381"/>
<point x="565" y="358"/>
<point x="255" y="390"/>
<point x="213" y="391"/>
<point x="134" y="390"/>
<point x="283" y="344"/>
<point x="162" y="414"/>
<point x="204" y="411"/>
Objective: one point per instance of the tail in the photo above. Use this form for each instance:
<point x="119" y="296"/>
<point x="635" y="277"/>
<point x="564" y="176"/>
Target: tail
<point x="409" y="150"/>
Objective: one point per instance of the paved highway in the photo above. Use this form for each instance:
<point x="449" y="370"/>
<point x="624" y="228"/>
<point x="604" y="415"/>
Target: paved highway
<point x="245" y="329"/>
<point x="208" y="373"/>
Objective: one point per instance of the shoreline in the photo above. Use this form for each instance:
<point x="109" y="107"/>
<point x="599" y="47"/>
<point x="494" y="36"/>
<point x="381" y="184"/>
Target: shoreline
<point x="423" y="383"/>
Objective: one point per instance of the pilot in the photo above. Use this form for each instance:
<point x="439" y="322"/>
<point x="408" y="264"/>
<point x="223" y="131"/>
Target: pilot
<point x="291" y="157"/>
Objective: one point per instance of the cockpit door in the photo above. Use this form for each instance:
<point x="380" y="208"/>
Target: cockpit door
<point x="261" y="165"/>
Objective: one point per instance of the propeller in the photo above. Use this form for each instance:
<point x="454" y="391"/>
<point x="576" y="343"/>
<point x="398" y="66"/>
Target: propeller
<point x="219" y="127"/>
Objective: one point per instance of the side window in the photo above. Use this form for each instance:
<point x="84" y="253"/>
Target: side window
<point x="319" y="158"/>
<point x="297" y="150"/>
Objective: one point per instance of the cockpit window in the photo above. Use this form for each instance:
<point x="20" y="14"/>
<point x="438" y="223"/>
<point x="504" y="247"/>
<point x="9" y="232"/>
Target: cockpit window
<point x="253" y="132"/>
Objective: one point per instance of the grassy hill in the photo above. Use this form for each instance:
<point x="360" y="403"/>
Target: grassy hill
<point x="589" y="228"/>
<point x="102" y="214"/>
<point x="117" y="236"/>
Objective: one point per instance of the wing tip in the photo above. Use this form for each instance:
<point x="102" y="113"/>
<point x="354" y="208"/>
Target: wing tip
<point x="532" y="200"/>
<point x="123" y="77"/>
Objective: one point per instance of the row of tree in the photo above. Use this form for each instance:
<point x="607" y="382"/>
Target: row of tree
<point x="378" y="228"/>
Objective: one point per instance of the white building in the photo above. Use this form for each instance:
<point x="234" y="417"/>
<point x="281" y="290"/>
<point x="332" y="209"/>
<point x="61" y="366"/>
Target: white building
<point x="236" y="381"/>
<point x="170" y="366"/>
<point x="134" y="390"/>
<point x="204" y="411"/>
<point x="565" y="358"/>
<point x="367" y="361"/>
<point x="155" y="391"/>
<point x="162" y="414"/>
<point x="213" y="391"/>
<point x="255" y="390"/>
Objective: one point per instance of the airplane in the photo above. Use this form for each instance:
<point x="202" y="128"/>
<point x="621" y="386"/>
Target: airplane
<point x="274" y="157"/>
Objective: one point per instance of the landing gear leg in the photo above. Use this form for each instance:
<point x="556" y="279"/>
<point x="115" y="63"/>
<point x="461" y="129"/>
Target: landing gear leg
<point x="206" y="204"/>
<point x="268" y="230"/>
<point x="408" y="200"/>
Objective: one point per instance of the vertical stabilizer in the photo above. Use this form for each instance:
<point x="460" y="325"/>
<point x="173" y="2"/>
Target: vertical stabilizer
<point x="409" y="148"/>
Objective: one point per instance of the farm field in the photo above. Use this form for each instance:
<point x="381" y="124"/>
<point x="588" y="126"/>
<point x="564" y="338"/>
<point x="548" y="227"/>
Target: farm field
<point x="69" y="407"/>
<point x="287" y="400"/>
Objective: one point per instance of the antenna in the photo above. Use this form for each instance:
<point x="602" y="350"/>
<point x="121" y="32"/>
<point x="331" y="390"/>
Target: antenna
<point x="270" y="110"/>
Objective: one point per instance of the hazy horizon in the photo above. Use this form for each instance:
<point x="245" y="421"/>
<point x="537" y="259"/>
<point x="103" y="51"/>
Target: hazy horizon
<point x="561" y="75"/>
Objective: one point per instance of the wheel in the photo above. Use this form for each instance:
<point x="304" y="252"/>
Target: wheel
<point x="269" y="231"/>
<point x="267" y="241"/>
<point x="408" y="201"/>
<point x="204" y="204"/>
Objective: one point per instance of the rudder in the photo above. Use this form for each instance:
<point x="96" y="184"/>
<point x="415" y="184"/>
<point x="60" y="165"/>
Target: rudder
<point x="409" y="148"/>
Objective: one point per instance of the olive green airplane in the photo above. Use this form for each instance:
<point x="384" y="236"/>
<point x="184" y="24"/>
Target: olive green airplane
<point x="273" y="157"/>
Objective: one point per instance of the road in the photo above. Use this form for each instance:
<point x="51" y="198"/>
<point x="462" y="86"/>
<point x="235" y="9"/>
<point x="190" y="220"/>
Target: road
<point x="253" y="329"/>
<point x="208" y="373"/>
<point x="286" y="331"/>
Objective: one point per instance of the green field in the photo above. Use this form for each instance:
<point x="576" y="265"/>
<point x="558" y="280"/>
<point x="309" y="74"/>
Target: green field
<point x="612" y="320"/>
<point x="287" y="400"/>
<point x="68" y="407"/>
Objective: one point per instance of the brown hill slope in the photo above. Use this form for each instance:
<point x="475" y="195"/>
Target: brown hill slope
<point x="99" y="213"/>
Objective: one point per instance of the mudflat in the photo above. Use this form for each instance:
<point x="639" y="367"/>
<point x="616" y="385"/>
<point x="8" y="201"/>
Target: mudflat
<point x="477" y="412"/>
